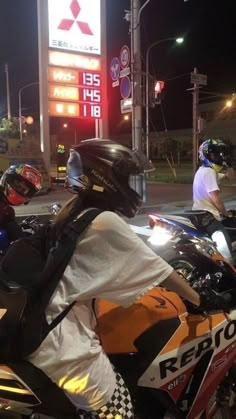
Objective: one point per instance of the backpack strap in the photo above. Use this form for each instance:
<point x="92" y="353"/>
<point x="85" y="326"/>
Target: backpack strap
<point x="73" y="230"/>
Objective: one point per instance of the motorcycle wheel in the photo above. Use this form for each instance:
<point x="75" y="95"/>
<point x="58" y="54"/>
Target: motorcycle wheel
<point x="234" y="249"/>
<point x="182" y="265"/>
<point x="222" y="405"/>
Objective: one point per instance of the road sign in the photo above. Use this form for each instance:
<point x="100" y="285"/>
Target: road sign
<point x="125" y="72"/>
<point x="125" y="87"/>
<point x="115" y="69"/>
<point x="126" y="105"/>
<point x="200" y="79"/>
<point x="116" y="83"/>
<point x="124" y="56"/>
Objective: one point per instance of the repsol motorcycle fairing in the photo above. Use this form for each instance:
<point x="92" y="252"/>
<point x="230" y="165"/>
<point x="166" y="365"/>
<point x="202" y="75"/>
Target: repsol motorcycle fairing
<point x="178" y="359"/>
<point x="176" y="352"/>
<point x="172" y="360"/>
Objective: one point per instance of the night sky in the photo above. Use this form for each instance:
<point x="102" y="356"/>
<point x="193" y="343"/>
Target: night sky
<point x="208" y="27"/>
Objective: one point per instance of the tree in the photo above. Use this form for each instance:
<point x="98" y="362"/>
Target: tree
<point x="9" y="127"/>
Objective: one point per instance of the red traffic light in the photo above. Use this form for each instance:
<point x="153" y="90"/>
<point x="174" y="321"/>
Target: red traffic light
<point x="159" y="86"/>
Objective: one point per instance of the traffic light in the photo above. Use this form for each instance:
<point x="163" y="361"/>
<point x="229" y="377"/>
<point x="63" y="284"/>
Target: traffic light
<point x="155" y="93"/>
<point x="159" y="86"/>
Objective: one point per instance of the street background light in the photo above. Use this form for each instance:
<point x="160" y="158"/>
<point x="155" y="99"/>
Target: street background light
<point x="19" y="102"/>
<point x="178" y="40"/>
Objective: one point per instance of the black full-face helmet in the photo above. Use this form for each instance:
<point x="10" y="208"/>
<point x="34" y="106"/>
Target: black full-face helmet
<point x="103" y="168"/>
<point x="214" y="153"/>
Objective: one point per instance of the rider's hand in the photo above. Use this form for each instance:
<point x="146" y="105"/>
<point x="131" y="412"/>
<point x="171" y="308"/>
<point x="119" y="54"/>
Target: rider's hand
<point x="210" y="300"/>
<point x="230" y="173"/>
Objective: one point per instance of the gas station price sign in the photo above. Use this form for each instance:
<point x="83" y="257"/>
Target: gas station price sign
<point x="75" y="77"/>
<point x="75" y="110"/>
<point x="75" y="92"/>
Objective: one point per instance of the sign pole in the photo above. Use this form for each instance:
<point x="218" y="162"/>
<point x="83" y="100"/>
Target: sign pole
<point x="136" y="83"/>
<point x="195" y="122"/>
<point x="42" y="6"/>
<point x="103" y="123"/>
<point x="197" y="80"/>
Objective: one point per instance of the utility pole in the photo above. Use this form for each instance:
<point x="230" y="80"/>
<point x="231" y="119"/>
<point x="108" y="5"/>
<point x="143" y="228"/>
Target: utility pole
<point x="198" y="80"/>
<point x="8" y="93"/>
<point x="195" y="121"/>
<point x="136" y="76"/>
<point x="136" y="83"/>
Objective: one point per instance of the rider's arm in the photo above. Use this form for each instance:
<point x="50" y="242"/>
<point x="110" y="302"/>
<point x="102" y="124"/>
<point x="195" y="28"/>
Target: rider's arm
<point x="217" y="201"/>
<point x="177" y="284"/>
<point x="125" y="268"/>
<point x="229" y="175"/>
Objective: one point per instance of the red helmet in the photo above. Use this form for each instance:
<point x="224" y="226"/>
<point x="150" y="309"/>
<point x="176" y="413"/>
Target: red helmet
<point x="20" y="183"/>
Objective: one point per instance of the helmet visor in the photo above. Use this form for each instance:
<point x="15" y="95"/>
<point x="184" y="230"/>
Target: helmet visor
<point x="22" y="186"/>
<point x="220" y="155"/>
<point x="143" y="164"/>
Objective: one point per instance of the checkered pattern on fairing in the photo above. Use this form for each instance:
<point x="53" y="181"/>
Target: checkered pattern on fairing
<point x="120" y="406"/>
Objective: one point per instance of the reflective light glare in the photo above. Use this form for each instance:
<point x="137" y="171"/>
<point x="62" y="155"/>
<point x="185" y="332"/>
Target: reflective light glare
<point x="160" y="236"/>
<point x="180" y="40"/>
<point x="229" y="103"/>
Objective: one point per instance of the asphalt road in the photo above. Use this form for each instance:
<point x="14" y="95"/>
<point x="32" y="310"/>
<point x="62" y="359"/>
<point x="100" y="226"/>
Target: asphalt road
<point x="169" y="198"/>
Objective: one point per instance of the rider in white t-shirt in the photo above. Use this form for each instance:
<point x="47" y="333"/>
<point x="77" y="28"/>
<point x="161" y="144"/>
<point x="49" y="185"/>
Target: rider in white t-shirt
<point x="214" y="156"/>
<point x="111" y="262"/>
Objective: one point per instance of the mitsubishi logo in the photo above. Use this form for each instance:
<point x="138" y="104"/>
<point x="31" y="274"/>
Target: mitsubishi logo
<point x="66" y="24"/>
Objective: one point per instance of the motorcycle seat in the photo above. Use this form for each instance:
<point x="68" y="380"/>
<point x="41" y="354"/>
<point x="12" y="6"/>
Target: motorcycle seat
<point x="53" y="400"/>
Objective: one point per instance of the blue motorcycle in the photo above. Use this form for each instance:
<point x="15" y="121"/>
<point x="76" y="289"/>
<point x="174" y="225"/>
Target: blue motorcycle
<point x="176" y="237"/>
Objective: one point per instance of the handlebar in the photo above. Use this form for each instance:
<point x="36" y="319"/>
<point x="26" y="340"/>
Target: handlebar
<point x="213" y="297"/>
<point x="30" y="224"/>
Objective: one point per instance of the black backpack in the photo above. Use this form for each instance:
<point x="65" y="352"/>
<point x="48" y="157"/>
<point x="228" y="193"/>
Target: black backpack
<point x="29" y="274"/>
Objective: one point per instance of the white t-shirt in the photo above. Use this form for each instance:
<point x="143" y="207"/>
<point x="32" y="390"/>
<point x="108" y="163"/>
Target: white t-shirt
<point x="110" y="262"/>
<point x="206" y="180"/>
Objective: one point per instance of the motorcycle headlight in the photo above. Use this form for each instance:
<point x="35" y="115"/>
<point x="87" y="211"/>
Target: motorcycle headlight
<point x="160" y="236"/>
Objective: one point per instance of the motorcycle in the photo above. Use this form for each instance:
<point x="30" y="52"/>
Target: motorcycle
<point x="177" y="362"/>
<point x="168" y="232"/>
<point x="29" y="226"/>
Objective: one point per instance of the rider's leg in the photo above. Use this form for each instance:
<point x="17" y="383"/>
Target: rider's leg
<point x="221" y="237"/>
<point x="120" y="405"/>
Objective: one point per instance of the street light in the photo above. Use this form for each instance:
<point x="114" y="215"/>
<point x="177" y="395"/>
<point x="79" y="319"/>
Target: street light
<point x="229" y="103"/>
<point x="19" y="101"/>
<point x="178" y="41"/>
